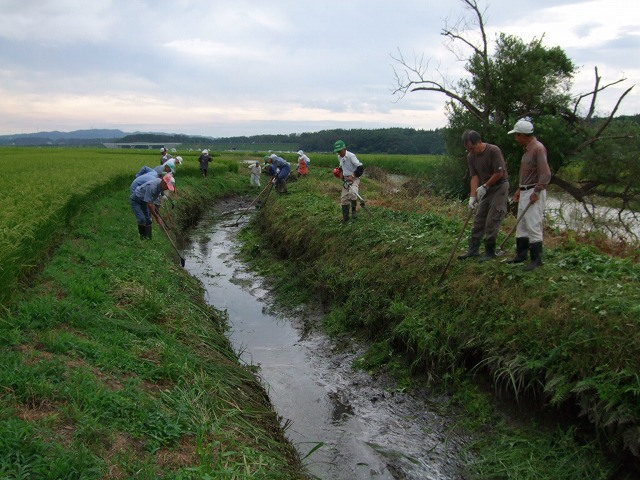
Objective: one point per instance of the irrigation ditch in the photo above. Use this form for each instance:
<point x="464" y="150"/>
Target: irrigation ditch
<point x="474" y="328"/>
<point x="345" y="423"/>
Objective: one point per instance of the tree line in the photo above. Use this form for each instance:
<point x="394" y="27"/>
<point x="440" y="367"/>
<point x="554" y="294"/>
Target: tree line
<point x="383" y="140"/>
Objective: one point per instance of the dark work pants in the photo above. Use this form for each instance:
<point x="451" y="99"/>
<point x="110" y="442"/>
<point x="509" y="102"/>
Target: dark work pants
<point x="491" y="212"/>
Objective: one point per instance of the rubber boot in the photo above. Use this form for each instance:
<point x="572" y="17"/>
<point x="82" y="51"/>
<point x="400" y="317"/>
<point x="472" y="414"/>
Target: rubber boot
<point x="474" y="246"/>
<point x="522" y="249"/>
<point x="536" y="256"/>
<point x="345" y="213"/>
<point x="489" y="250"/>
<point x="354" y="215"/>
<point x="149" y="231"/>
<point x="142" y="231"/>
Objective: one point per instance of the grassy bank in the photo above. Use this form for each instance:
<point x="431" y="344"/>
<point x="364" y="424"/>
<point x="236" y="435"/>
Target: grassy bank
<point x="561" y="341"/>
<point x="112" y="367"/>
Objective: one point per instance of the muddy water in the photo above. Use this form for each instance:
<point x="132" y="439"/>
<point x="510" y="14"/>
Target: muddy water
<point x="366" y="429"/>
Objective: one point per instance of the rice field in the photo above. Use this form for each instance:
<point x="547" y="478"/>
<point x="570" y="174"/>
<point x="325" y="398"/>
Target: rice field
<point x="46" y="187"/>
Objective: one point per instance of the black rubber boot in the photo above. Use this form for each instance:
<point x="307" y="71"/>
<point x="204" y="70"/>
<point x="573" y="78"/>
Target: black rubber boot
<point x="522" y="249"/>
<point x="354" y="215"/>
<point x="345" y="213"/>
<point x="536" y="256"/>
<point x="148" y="231"/>
<point x="489" y="251"/>
<point x="474" y="246"/>
<point x="142" y="231"/>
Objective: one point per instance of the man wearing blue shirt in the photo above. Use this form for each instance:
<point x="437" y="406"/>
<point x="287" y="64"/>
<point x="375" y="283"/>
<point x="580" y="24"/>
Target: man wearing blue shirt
<point x="142" y="202"/>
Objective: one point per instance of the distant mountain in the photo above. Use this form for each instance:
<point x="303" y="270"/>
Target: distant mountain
<point x="95" y="133"/>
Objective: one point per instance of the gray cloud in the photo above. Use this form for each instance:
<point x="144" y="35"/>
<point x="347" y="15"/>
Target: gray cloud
<point x="241" y="67"/>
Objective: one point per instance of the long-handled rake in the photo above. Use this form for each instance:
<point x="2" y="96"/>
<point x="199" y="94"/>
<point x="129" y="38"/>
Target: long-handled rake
<point x="164" y="229"/>
<point x="513" y="229"/>
<point x="268" y="187"/>
<point x="455" y="247"/>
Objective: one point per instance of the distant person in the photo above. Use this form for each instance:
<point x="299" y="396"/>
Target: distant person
<point x="143" y="199"/>
<point x="167" y="167"/>
<point x="534" y="177"/>
<point x="256" y="171"/>
<point x="303" y="169"/>
<point x="280" y="169"/>
<point x="302" y="156"/>
<point x="350" y="171"/>
<point x="489" y="193"/>
<point x="164" y="155"/>
<point x="204" y="159"/>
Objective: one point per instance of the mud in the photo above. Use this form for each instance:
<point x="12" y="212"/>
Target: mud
<point x="350" y="424"/>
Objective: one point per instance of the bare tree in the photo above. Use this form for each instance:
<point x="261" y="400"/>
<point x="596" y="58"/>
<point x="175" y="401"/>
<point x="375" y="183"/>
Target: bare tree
<point x="521" y="80"/>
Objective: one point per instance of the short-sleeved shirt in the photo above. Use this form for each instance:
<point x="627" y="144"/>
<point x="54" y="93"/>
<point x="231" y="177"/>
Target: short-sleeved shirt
<point x="142" y="179"/>
<point x="486" y="163"/>
<point x="349" y="163"/>
<point x="149" y="191"/>
<point x="534" y="167"/>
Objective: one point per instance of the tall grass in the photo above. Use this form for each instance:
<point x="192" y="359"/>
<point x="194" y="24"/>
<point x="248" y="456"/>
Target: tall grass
<point x="111" y="366"/>
<point x="563" y="337"/>
<point x="48" y="186"/>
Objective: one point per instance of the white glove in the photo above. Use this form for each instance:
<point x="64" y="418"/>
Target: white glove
<point x="481" y="191"/>
<point x="472" y="203"/>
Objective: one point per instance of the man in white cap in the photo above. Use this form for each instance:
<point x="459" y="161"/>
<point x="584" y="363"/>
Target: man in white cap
<point x="204" y="160"/>
<point x="164" y="155"/>
<point x="535" y="175"/>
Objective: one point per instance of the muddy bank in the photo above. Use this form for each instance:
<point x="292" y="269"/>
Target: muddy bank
<point x="353" y="426"/>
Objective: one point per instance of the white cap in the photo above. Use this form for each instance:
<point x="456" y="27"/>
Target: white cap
<point x="162" y="149"/>
<point x="273" y="155"/>
<point x="179" y="160"/>
<point x="205" y="151"/>
<point x="522" y="126"/>
<point x="300" y="152"/>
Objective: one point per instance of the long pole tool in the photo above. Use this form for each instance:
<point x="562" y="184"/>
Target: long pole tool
<point x="164" y="229"/>
<point x="455" y="247"/>
<point x="254" y="201"/>
<point x="513" y="229"/>
<point x="362" y="202"/>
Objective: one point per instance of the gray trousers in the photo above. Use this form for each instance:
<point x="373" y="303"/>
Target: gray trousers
<point x="491" y="212"/>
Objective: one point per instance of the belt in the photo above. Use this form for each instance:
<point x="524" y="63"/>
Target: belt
<point x="527" y="187"/>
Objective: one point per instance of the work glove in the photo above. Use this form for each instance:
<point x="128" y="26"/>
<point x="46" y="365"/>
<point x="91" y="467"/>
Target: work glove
<point x="472" y="203"/>
<point x="481" y="191"/>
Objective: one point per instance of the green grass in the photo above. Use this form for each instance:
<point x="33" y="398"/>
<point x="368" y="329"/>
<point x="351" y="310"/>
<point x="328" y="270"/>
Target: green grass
<point x="111" y="365"/>
<point x="563" y="337"/>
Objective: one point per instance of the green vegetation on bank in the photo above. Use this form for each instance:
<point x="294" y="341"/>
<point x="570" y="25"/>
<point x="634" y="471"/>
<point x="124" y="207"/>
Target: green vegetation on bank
<point x="111" y="365"/>
<point x="562" y="340"/>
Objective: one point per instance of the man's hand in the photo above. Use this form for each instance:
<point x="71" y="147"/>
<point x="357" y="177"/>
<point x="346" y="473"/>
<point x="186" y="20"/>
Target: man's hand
<point x="481" y="191"/>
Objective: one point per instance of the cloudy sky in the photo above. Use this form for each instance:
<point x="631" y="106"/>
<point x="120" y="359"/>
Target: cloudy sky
<point x="245" y="67"/>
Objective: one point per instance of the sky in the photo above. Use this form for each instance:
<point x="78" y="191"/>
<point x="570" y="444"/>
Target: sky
<point x="247" y="67"/>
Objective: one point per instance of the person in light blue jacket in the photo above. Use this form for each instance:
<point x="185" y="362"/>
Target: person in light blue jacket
<point x="282" y="170"/>
<point x="143" y="199"/>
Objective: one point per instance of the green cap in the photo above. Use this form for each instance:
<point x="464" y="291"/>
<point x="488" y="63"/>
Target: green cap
<point x="339" y="145"/>
<point x="266" y="157"/>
